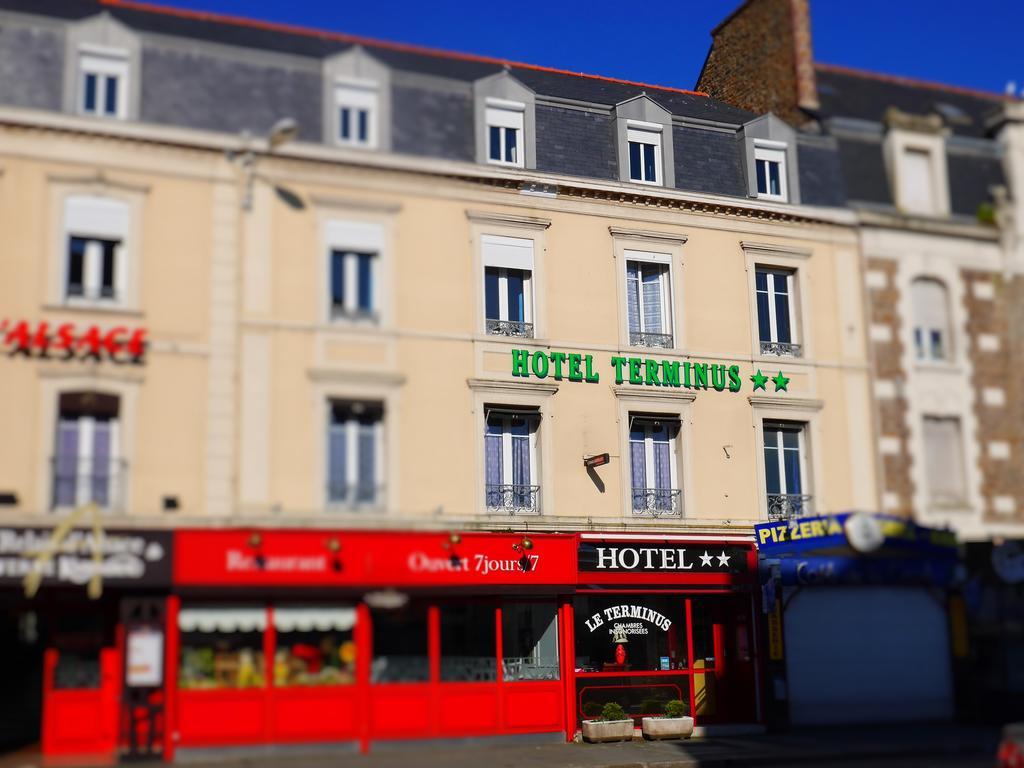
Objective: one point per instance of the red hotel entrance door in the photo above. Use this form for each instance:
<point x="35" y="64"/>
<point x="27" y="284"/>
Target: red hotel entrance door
<point x="81" y="702"/>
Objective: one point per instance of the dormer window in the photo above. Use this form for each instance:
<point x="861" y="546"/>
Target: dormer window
<point x="103" y="82"/>
<point x="505" y="127"/>
<point x="770" y="170"/>
<point x="916" y="181"/>
<point x="644" y="153"/>
<point x="357" y="109"/>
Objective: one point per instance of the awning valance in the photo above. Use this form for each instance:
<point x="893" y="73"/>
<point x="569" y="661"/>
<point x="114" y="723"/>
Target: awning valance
<point x="307" y="619"/>
<point x="222" y="619"/>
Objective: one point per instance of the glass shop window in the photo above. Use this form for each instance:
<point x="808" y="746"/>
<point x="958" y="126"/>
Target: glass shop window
<point x="468" y="643"/>
<point x="315" y="646"/>
<point x="400" y="645"/>
<point x="630" y="633"/>
<point x="221" y="648"/>
<point x="78" y="640"/>
<point x="529" y="641"/>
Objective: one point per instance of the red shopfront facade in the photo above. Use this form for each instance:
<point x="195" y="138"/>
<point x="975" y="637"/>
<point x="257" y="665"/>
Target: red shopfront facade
<point x="350" y="638"/>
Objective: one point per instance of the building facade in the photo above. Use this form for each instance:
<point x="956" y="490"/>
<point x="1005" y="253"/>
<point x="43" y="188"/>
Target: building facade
<point x="933" y="175"/>
<point x="400" y="379"/>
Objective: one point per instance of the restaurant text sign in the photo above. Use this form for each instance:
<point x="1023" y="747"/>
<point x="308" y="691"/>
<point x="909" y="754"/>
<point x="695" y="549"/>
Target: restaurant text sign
<point x="70" y="340"/>
<point x="686" y="374"/>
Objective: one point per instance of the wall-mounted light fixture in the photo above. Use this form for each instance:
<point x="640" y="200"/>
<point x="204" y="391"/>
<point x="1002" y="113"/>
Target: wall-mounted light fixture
<point x="524" y="546"/>
<point x="454" y="540"/>
<point x="597" y="460"/>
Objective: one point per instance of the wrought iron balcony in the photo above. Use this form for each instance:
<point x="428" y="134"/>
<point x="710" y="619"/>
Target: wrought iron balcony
<point x="510" y="328"/>
<point x="657" y="502"/>
<point x="641" y="339"/>
<point x="513" y="499"/>
<point x="786" y="506"/>
<point x="355" y="495"/>
<point x="80" y="480"/>
<point x="782" y="349"/>
<point x="348" y="315"/>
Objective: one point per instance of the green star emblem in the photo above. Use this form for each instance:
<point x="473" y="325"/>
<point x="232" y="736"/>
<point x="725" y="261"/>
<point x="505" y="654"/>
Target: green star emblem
<point x="780" y="382"/>
<point x="760" y="380"/>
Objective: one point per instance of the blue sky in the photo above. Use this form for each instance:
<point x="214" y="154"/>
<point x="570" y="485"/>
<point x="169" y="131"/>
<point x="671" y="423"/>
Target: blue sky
<point x="975" y="44"/>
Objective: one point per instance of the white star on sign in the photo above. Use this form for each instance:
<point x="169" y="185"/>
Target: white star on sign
<point x="723" y="559"/>
<point x="705" y="559"/>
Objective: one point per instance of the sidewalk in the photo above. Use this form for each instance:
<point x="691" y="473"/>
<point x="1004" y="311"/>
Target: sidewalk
<point x="808" y="746"/>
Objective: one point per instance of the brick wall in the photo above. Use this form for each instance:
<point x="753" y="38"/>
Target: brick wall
<point x="992" y="307"/>
<point x="761" y="59"/>
<point x="890" y="380"/>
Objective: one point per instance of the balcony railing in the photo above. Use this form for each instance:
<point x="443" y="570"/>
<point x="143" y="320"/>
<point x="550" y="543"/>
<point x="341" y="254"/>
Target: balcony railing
<point x="513" y="499"/>
<point x="510" y="328"/>
<point x="642" y="339"/>
<point x="657" y="502"/>
<point x="782" y="349"/>
<point x="78" y="292"/>
<point x="786" y="506"/>
<point x="355" y="496"/>
<point x="76" y="481"/>
<point x="345" y="314"/>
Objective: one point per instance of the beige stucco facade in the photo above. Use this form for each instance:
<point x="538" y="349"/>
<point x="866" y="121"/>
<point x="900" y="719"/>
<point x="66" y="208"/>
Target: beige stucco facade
<point x="228" y="411"/>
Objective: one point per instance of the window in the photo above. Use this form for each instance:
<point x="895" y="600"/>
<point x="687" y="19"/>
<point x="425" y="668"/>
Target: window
<point x="944" y="462"/>
<point x="510" y="457"/>
<point x="648" y="301"/>
<point x="400" y="645"/>
<point x="103" y="78"/>
<point x="95" y="262"/>
<point x="352" y="285"/>
<point x="86" y="463"/>
<point x="529" y="641"/>
<point x="315" y="646"/>
<point x="774" y="290"/>
<point x="770" y="168"/>
<point x="785" y="470"/>
<point x="355" y="454"/>
<point x="505" y="132"/>
<point x="651" y="630"/>
<point x="221" y="648"/>
<point x="508" y="285"/>
<point x="644" y="155"/>
<point x="653" y="466"/>
<point x="931" y="319"/>
<point x="356" y="104"/>
<point x="916" y="181"/>
<point x="468" y="643"/>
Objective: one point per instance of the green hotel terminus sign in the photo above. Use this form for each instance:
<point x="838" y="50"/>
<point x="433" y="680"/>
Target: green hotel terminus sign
<point x="645" y="371"/>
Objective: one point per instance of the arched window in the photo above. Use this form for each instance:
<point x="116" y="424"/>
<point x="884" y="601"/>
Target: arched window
<point x="932" y="337"/>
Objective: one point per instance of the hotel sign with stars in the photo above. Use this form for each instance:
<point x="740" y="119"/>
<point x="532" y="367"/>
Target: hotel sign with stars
<point x="654" y="557"/>
<point x="641" y="371"/>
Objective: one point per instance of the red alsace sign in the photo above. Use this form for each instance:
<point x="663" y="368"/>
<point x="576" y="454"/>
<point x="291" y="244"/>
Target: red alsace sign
<point x="364" y="558"/>
<point x="69" y="340"/>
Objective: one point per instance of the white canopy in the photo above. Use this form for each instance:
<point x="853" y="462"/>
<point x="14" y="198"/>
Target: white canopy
<point x="222" y="619"/>
<point x="310" y="618"/>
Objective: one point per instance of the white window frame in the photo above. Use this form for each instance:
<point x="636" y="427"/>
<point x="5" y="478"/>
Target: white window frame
<point x="92" y="219"/>
<point x="649" y="441"/>
<point x="506" y="115"/>
<point x="357" y="95"/>
<point x="103" y="62"/>
<point x="638" y="132"/>
<point x="506" y="443"/>
<point x="935" y="501"/>
<point x="354" y="237"/>
<point x="503" y="253"/>
<point x="664" y="262"/>
<point x="922" y="353"/>
<point x="773" y="328"/>
<point x="801" y="448"/>
<point x="767" y="151"/>
<point x="352" y="427"/>
<point x="927" y="164"/>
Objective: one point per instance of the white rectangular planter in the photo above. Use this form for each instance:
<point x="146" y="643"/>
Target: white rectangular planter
<point x="667" y="727"/>
<point x="607" y="730"/>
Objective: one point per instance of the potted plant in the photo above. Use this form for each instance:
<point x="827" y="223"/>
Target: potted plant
<point x="674" y="724"/>
<point x="612" y="725"/>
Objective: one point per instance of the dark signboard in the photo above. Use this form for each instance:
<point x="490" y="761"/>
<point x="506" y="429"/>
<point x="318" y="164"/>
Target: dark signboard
<point x="657" y="557"/>
<point x="127" y="557"/>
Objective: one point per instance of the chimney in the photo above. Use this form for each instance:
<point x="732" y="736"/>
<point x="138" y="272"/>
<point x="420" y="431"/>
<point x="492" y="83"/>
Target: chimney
<point x="761" y="59"/>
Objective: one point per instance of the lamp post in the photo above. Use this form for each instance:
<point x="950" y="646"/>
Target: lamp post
<point x="283" y="131"/>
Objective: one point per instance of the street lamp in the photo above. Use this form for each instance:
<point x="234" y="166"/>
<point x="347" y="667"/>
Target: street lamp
<point x="283" y="131"/>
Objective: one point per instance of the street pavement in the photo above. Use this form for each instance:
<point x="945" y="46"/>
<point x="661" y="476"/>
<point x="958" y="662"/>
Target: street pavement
<point x="916" y="746"/>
